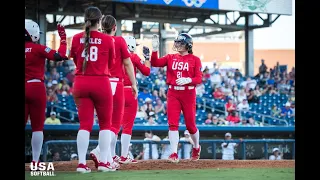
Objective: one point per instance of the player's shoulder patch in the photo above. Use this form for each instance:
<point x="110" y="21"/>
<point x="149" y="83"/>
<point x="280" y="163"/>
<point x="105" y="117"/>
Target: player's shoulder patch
<point x="47" y="50"/>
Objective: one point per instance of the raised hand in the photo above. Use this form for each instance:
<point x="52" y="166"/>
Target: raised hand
<point x="155" y="42"/>
<point x="62" y="33"/>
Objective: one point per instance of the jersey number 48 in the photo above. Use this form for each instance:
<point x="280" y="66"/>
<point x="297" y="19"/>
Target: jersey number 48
<point x="93" y="53"/>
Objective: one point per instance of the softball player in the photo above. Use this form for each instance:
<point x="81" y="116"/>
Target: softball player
<point x="131" y="103"/>
<point x="183" y="74"/>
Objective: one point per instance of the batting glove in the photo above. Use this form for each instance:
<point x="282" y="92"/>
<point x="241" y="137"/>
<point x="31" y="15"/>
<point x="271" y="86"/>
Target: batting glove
<point x="146" y="52"/>
<point x="155" y="43"/>
<point x="62" y="33"/>
<point x="183" y="81"/>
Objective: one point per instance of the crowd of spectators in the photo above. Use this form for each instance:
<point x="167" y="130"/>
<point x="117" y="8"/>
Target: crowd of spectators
<point x="235" y="90"/>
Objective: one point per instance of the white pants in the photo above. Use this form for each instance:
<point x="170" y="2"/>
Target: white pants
<point x="228" y="157"/>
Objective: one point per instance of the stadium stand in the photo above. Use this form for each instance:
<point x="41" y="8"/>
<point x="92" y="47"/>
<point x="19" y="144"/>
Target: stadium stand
<point x="270" y="97"/>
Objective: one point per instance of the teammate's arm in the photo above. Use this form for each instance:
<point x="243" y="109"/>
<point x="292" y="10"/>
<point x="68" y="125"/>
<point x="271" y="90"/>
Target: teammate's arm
<point x="143" y="68"/>
<point x="128" y="66"/>
<point x="59" y="55"/>
<point x="197" y="79"/>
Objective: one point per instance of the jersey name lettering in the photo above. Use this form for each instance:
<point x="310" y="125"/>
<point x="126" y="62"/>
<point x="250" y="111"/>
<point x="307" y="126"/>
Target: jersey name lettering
<point x="181" y="66"/>
<point x="91" y="41"/>
<point x="28" y="49"/>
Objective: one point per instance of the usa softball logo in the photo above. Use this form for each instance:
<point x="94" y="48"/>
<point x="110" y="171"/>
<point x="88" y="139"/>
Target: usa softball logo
<point x="196" y="3"/>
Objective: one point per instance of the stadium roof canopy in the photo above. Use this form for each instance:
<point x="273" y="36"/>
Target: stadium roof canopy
<point x="204" y="13"/>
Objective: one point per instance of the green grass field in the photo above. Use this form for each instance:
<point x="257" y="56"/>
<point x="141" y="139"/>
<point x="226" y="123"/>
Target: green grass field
<point x="200" y="174"/>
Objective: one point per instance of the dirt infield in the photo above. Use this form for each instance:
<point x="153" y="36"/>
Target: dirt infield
<point x="183" y="164"/>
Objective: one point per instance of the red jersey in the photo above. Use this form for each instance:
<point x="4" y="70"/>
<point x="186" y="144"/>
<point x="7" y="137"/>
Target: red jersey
<point x="136" y="62"/>
<point x="179" y="66"/>
<point x="35" y="57"/>
<point x="100" y="53"/>
<point x="122" y="52"/>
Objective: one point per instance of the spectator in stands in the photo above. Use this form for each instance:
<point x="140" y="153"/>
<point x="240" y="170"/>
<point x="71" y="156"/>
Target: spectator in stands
<point x="230" y="81"/>
<point x="252" y="122"/>
<point x="65" y="88"/>
<point x="151" y="119"/>
<point x="209" y="119"/>
<point x="73" y="157"/>
<point x="257" y="91"/>
<point x="160" y="81"/>
<point x="54" y="75"/>
<point x="282" y="87"/>
<point x="206" y="73"/>
<point x="263" y="67"/>
<point x="218" y="94"/>
<point x="227" y="90"/>
<point x="244" y="122"/>
<point x="249" y="84"/>
<point x="241" y="95"/>
<point x="200" y="90"/>
<point x="55" y="86"/>
<point x="149" y="109"/>
<point x="252" y="98"/>
<point x="216" y="121"/>
<point x="159" y="108"/>
<point x="275" y="111"/>
<point x="286" y="110"/>
<point x="51" y="96"/>
<point x="237" y="73"/>
<point x="150" y="137"/>
<point x="276" y="154"/>
<point x="216" y="79"/>
<point x="155" y="95"/>
<point x="230" y="106"/>
<point x="162" y="94"/>
<point x="187" y="146"/>
<point x="271" y="81"/>
<point x="243" y="106"/>
<point x="293" y="109"/>
<point x="233" y="118"/>
<point x="141" y="113"/>
<point x="144" y="95"/>
<point x="52" y="120"/>
<point x="269" y="90"/>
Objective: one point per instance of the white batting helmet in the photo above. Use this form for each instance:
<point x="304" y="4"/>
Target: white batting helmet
<point x="131" y="42"/>
<point x="32" y="30"/>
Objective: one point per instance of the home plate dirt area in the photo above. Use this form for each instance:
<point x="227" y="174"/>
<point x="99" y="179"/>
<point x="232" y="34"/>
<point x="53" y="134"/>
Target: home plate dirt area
<point x="183" y="164"/>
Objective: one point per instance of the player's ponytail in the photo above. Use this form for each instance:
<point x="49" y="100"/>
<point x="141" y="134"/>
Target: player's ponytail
<point x="92" y="15"/>
<point x="108" y="23"/>
<point x="86" y="45"/>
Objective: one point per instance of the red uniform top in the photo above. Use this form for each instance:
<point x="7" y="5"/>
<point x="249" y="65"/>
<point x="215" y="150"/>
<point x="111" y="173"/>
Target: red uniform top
<point x="100" y="53"/>
<point x="136" y="61"/>
<point x="122" y="52"/>
<point x="179" y="66"/>
<point x="35" y="57"/>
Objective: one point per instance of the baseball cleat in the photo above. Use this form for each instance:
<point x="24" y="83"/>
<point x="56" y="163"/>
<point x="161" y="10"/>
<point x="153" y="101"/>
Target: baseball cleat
<point x="127" y="160"/>
<point x="116" y="158"/>
<point x="82" y="168"/>
<point x="196" y="154"/>
<point x="105" y="167"/>
<point x="173" y="158"/>
<point x="94" y="155"/>
<point x="115" y="165"/>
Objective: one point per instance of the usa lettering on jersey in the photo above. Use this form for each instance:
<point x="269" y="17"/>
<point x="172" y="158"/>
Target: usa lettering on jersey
<point x="180" y="66"/>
